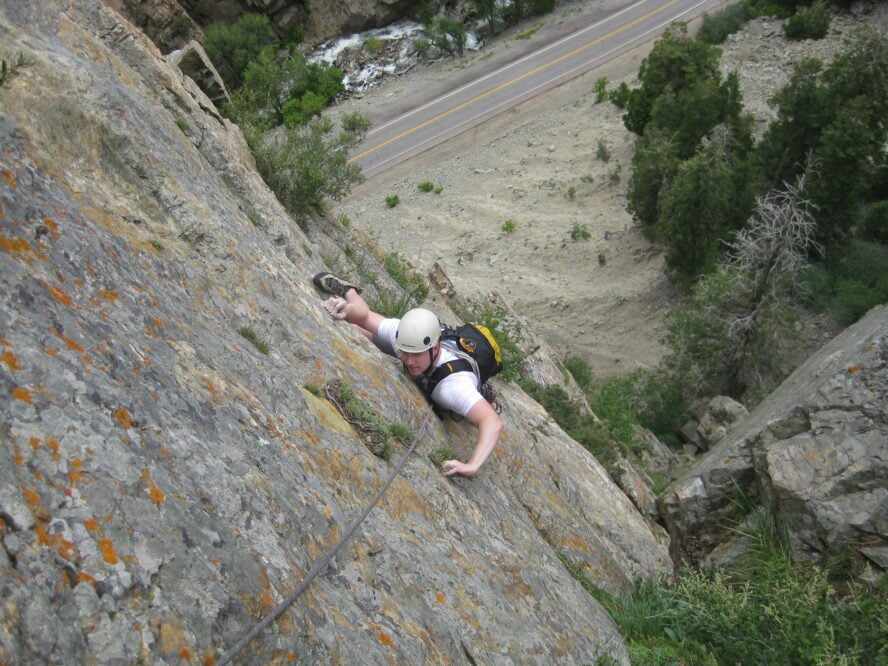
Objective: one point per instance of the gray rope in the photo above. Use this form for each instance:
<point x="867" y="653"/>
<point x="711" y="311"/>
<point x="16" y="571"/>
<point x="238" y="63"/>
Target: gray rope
<point x="323" y="562"/>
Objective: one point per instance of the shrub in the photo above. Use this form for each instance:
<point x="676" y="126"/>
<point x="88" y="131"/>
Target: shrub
<point x="601" y="90"/>
<point x="874" y="223"/>
<point x="728" y="20"/>
<point x="767" y="610"/>
<point x="299" y="111"/>
<point x="238" y="44"/>
<point x="308" y="163"/>
<point x="583" y="428"/>
<point x="580" y="232"/>
<point x="808" y="22"/>
<point x="407" y="277"/>
<point x="392" y="200"/>
<point x="372" y="45"/>
<point x="579" y="369"/>
<point x="508" y="226"/>
<point x="601" y="152"/>
<point x="620" y="95"/>
<point x="251" y="336"/>
<point x="390" y="304"/>
<point x="426" y="186"/>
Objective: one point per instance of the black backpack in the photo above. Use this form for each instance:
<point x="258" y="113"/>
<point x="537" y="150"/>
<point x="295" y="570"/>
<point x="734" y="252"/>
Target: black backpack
<point x="474" y="341"/>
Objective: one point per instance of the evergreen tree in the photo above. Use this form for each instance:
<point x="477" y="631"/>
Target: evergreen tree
<point x="676" y="63"/>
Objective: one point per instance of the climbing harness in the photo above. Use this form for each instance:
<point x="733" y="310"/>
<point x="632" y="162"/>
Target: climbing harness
<point x="323" y="562"/>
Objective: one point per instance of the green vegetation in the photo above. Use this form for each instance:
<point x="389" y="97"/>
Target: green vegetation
<point x="530" y="32"/>
<point x="601" y="152"/>
<point x="808" y="22"/>
<point x="392" y="200"/>
<point x="601" y="90"/>
<point x="508" y="226"/>
<point x="9" y="70"/>
<point x="407" y="277"/>
<point x="379" y="434"/>
<point x="755" y="230"/>
<point x="372" y="45"/>
<point x="439" y="455"/>
<point x="234" y="47"/>
<point x="580" y="232"/>
<point x="426" y="186"/>
<point x="277" y="101"/>
<point x="306" y="164"/>
<point x="765" y="609"/>
<point x="726" y="21"/>
<point x="251" y="336"/>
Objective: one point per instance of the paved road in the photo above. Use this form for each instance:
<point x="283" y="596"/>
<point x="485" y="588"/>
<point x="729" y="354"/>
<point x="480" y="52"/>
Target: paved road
<point x="484" y="98"/>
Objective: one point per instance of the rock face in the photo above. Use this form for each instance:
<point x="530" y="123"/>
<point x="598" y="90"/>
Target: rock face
<point x="814" y="454"/>
<point x="171" y="23"/>
<point x="164" y="484"/>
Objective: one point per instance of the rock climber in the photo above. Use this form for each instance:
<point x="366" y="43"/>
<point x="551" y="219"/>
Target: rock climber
<point x="415" y="339"/>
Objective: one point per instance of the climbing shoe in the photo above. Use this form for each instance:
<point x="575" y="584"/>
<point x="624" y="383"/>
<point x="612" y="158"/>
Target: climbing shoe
<point x="332" y="284"/>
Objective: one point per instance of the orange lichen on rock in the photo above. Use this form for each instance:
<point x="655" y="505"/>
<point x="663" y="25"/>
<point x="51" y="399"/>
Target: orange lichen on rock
<point x="68" y="341"/>
<point x="76" y="472"/>
<point x="23" y="394"/>
<point x="91" y="524"/>
<point x="154" y="491"/>
<point x="108" y="552"/>
<point x="58" y="294"/>
<point x="109" y="295"/>
<point x="20" y="248"/>
<point x="11" y="361"/>
<point x="53" y="445"/>
<point x="8" y="178"/>
<point x="123" y="417"/>
<point x="52" y="225"/>
<point x="55" y="541"/>
<point x="32" y="497"/>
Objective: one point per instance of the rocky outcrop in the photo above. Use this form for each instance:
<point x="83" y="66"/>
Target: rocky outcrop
<point x="165" y="482"/>
<point x="171" y="23"/>
<point x="814" y="455"/>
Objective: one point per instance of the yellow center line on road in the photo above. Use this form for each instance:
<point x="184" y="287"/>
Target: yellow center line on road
<point x="505" y="85"/>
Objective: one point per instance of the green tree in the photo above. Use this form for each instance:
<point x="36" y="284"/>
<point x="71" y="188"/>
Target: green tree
<point x="844" y="161"/>
<point x="306" y="164"/>
<point x="803" y="112"/>
<point x="833" y="119"/>
<point x="709" y="197"/>
<point x="655" y="162"/>
<point x="676" y="63"/>
<point x="280" y="90"/>
<point x="239" y="44"/>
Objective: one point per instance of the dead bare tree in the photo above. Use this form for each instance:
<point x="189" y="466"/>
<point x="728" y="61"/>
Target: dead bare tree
<point x="750" y="294"/>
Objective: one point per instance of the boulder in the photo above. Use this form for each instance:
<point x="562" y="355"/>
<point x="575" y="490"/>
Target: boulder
<point x="814" y="455"/>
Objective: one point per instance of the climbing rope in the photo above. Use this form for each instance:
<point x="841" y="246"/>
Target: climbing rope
<point x="323" y="562"/>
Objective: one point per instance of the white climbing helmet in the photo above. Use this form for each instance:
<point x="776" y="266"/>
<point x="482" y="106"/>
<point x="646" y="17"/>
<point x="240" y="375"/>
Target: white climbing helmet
<point x="418" y="330"/>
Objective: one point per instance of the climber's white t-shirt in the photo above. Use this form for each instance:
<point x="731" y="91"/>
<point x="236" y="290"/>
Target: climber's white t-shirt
<point x="457" y="392"/>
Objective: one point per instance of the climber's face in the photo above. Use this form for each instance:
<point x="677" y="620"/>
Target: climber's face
<point x="417" y="363"/>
